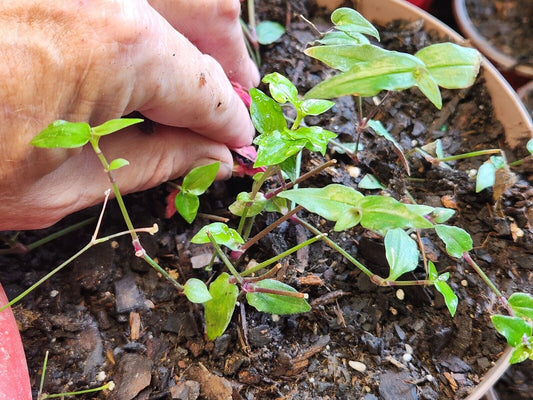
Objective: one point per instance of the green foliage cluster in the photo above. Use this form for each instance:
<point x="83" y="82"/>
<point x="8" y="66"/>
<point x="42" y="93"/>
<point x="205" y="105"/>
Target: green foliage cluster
<point x="365" y="70"/>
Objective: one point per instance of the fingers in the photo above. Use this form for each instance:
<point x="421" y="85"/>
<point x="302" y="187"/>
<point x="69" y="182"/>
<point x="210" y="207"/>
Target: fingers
<point x="80" y="182"/>
<point x="214" y="27"/>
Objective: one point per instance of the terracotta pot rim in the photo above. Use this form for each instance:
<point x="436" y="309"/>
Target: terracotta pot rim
<point x="501" y="59"/>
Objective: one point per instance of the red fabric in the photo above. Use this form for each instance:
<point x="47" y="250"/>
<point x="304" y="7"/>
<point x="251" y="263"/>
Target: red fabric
<point x="14" y="378"/>
<point x="424" y="4"/>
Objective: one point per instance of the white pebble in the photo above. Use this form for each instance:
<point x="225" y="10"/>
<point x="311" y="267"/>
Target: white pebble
<point x="358" y="366"/>
<point x="400" y="294"/>
<point x="353" y="171"/>
<point x="100" y="377"/>
<point x="407" y="357"/>
<point x="53" y="293"/>
<point x="464" y="283"/>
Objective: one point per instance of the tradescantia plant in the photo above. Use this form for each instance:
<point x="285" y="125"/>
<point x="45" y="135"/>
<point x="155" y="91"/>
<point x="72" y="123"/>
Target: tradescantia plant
<point x="365" y="70"/>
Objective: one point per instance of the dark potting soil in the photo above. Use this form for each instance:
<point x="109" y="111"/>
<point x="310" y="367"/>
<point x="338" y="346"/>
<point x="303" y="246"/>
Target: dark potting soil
<point x="506" y="24"/>
<point x="110" y="316"/>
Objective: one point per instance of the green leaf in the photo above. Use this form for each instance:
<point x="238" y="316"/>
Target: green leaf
<point x="352" y="22"/>
<point x="350" y="218"/>
<point x="63" y="134"/>
<point x="520" y="354"/>
<point x="420" y="209"/>
<point x="266" y="113"/>
<point x="428" y="86"/>
<point x="196" y="291"/>
<point x="450" y="298"/>
<point x="369" y="182"/>
<point x="187" y="205"/>
<point x="432" y="271"/>
<point x="269" y="31"/>
<point x="315" y="106"/>
<point x="277" y="204"/>
<point x="330" y="202"/>
<point x="529" y="146"/>
<point x="289" y="167"/>
<point x="512" y="328"/>
<point x="393" y="71"/>
<point x="114" y="125"/>
<point x="200" y="178"/>
<point x="456" y="239"/>
<point x="252" y="207"/>
<point x="219" y="310"/>
<point x="316" y="137"/>
<point x="281" y="88"/>
<point x="522" y="305"/>
<point x="118" y="163"/>
<point x="441" y="214"/>
<point x="450" y="65"/>
<point x="401" y="252"/>
<point x="275" y="303"/>
<point x="486" y="176"/>
<point x="221" y="233"/>
<point x="381" y="214"/>
<point x="342" y="38"/>
<point x="274" y="148"/>
<point x="343" y="57"/>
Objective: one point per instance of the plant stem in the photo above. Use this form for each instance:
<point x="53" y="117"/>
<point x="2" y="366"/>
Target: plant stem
<point x="41" y="384"/>
<point x="269" y="229"/>
<point x="224" y="258"/>
<point x="339" y="249"/>
<point x="489" y="283"/>
<point x="272" y="260"/>
<point x="255" y="289"/>
<point x="469" y="155"/>
<point x="97" y="389"/>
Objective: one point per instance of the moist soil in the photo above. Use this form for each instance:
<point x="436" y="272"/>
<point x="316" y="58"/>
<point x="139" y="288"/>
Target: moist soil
<point x="110" y="316"/>
<point x="506" y="24"/>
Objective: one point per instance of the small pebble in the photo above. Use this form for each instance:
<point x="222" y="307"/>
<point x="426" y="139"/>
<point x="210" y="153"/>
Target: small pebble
<point x="464" y="283"/>
<point x="358" y="366"/>
<point x="407" y="357"/>
<point x="100" y="377"/>
<point x="53" y="293"/>
<point x="354" y="172"/>
<point x="408" y="349"/>
<point x="400" y="294"/>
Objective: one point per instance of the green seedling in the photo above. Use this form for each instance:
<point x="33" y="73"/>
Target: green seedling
<point x="195" y="183"/>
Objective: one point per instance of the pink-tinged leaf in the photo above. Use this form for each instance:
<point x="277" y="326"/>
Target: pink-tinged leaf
<point x="243" y="93"/>
<point x="248" y="152"/>
<point x="242" y="169"/>
<point x="170" y="209"/>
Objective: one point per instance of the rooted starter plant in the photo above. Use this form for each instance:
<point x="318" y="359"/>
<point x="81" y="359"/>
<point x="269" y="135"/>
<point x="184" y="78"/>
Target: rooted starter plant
<point x="366" y="70"/>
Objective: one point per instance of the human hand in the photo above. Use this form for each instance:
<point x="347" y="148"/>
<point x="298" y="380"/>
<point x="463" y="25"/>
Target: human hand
<point x="101" y="60"/>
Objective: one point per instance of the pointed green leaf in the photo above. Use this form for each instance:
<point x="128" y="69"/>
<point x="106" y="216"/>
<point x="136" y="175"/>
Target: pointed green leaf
<point x="401" y="252"/>
<point x="315" y="106"/>
<point x="381" y="214"/>
<point x="343" y="57"/>
<point x="281" y="88"/>
<point x="521" y="353"/>
<point x="219" y="310"/>
<point x="269" y="31"/>
<point x="370" y="182"/>
<point x="342" y="38"/>
<point x="63" y="134"/>
<point x="450" y="297"/>
<point x="330" y="202"/>
<point x="316" y="138"/>
<point x="428" y="86"/>
<point x="222" y="234"/>
<point x="196" y="291"/>
<point x="274" y="148"/>
<point x="350" y="21"/>
<point x="456" y="239"/>
<point x="200" y="178"/>
<point x="441" y="214"/>
<point x="277" y="204"/>
<point x="350" y="218"/>
<point x="118" y="163"/>
<point x="522" y="305"/>
<point x="275" y="303"/>
<point x="394" y="71"/>
<point x="289" y="167"/>
<point x="512" y="328"/>
<point x="252" y="207"/>
<point x="432" y="271"/>
<point x="486" y="176"/>
<point x="420" y="209"/>
<point x="114" y="125"/>
<point x="450" y="65"/>
<point x="266" y="113"/>
<point x="187" y="205"/>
